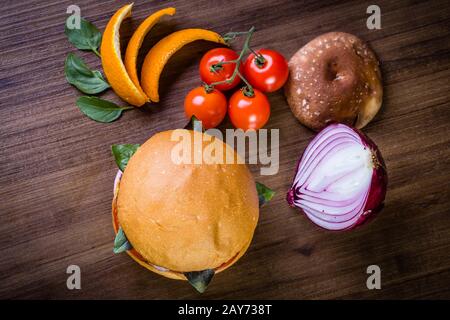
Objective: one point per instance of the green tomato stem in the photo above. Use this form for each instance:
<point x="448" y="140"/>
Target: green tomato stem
<point x="259" y="58"/>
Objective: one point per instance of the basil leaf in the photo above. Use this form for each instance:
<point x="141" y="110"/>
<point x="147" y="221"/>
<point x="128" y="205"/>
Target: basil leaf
<point x="200" y="279"/>
<point x="121" y="243"/>
<point x="100" y="110"/>
<point x="122" y="153"/>
<point x="87" y="37"/>
<point x="79" y="75"/>
<point x="264" y="193"/>
<point x="194" y="124"/>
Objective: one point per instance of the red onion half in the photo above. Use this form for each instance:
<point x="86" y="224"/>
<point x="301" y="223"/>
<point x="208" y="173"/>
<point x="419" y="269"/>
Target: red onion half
<point x="340" y="180"/>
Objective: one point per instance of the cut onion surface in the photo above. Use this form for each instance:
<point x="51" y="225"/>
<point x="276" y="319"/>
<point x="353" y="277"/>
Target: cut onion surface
<point x="340" y="180"/>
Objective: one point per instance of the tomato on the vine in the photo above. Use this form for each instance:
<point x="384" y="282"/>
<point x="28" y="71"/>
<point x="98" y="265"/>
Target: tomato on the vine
<point x="266" y="71"/>
<point x="221" y="71"/>
<point x="249" y="112"/>
<point x="209" y="107"/>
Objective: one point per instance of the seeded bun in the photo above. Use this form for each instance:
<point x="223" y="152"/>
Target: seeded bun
<point x="185" y="217"/>
<point x="334" y="78"/>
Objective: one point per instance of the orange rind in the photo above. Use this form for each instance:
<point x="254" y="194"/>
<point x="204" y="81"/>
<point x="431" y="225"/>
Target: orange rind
<point x="136" y="40"/>
<point x="160" y="54"/>
<point x="113" y="65"/>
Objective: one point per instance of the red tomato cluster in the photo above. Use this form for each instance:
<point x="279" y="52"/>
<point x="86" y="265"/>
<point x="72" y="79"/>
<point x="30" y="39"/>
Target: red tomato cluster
<point x="265" y="70"/>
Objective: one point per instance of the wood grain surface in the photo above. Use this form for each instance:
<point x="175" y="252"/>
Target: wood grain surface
<point x="56" y="170"/>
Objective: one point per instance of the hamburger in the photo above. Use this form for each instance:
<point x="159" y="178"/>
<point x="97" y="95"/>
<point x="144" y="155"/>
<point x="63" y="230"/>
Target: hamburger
<point x="184" y="221"/>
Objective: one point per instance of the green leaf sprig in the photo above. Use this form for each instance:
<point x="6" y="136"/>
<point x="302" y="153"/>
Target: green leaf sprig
<point x="84" y="79"/>
<point x="200" y="279"/>
<point x="100" y="110"/>
<point x="265" y="194"/>
<point x="87" y="37"/>
<point x="121" y="243"/>
<point x="122" y="153"/>
<point x="88" y="81"/>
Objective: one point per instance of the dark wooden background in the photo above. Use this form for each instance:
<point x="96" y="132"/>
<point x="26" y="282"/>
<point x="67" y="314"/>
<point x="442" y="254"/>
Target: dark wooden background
<point x="56" y="170"/>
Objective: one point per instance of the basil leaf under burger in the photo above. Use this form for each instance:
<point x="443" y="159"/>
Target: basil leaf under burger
<point x="121" y="243"/>
<point x="200" y="279"/>
<point x="122" y="153"/>
<point x="265" y="194"/>
<point x="194" y="124"/>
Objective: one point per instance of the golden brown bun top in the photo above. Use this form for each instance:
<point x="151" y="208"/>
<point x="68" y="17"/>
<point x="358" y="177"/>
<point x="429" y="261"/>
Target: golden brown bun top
<point x="186" y="217"/>
<point x="334" y="78"/>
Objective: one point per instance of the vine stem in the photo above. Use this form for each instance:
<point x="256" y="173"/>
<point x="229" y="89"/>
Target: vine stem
<point x="246" y="48"/>
<point x="218" y="66"/>
<point x="230" y="36"/>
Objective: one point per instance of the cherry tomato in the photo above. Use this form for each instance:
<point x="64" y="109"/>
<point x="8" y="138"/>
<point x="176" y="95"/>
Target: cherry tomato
<point x="267" y="74"/>
<point x="209" y="107"/>
<point x="222" y="73"/>
<point x="249" y="112"/>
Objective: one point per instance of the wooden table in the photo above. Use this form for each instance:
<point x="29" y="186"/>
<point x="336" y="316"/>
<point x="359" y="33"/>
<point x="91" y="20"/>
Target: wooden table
<point x="56" y="169"/>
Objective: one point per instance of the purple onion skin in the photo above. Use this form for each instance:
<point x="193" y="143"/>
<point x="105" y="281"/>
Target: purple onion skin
<point x="378" y="187"/>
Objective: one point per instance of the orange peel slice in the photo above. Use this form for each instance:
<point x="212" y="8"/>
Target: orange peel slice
<point x="136" y="40"/>
<point x="113" y="65"/>
<point x="159" y="55"/>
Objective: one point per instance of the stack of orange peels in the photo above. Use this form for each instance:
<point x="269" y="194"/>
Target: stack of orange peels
<point x="122" y="76"/>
